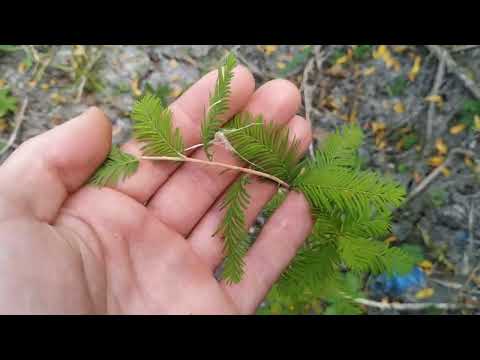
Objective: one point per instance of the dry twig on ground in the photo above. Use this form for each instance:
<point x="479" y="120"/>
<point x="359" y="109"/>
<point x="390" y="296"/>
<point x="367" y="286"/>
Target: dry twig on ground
<point x="453" y="67"/>
<point x="433" y="175"/>
<point x="432" y="106"/>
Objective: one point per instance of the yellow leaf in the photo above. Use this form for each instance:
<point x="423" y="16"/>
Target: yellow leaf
<point x="176" y="92"/>
<point x="44" y="87"/>
<point x="3" y="125"/>
<point x="426" y="266"/>
<point x="399" y="107"/>
<point x="417" y="177"/>
<point x="425" y="293"/>
<point x="22" y="67"/>
<point x="369" y="71"/>
<point x="2" y="83"/>
<point x="436" y="161"/>
<point x="441" y="147"/>
<point x="457" y="129"/>
<point x="476" y="121"/>
<point x="415" y="68"/>
<point x="377" y="126"/>
<point x="468" y="161"/>
<point x="57" y="98"/>
<point x="446" y="172"/>
<point x="390" y="240"/>
<point x="135" y="89"/>
<point x="436" y="99"/>
<point x="270" y="49"/>
<point x="380" y="52"/>
<point x="173" y="63"/>
<point x="281" y="65"/>
<point x="381" y="144"/>
<point x="400" y="48"/>
<point x="342" y="60"/>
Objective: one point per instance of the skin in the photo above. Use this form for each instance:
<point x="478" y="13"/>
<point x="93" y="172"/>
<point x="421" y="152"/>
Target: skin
<point x="146" y="245"/>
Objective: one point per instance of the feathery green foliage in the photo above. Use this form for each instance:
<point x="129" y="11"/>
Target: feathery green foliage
<point x="219" y="102"/>
<point x="334" y="186"/>
<point x="153" y="127"/>
<point x="233" y="229"/>
<point x="275" y="202"/>
<point x="265" y="146"/>
<point x="351" y="208"/>
<point x="118" y="166"/>
<point x="339" y="148"/>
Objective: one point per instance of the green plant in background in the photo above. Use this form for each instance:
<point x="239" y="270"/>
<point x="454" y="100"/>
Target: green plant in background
<point x="398" y="86"/>
<point x="409" y="141"/>
<point x="438" y="197"/>
<point x="297" y="61"/>
<point x="471" y="109"/>
<point x="9" y="48"/>
<point x="8" y="103"/>
<point x="362" y="52"/>
<point x="351" y="208"/>
<point x="336" y="54"/>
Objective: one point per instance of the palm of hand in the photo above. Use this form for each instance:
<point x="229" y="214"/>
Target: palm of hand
<point x="146" y="245"/>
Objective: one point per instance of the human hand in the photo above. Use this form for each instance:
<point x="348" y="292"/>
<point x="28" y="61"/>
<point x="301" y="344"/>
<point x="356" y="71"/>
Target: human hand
<point x="146" y="245"/>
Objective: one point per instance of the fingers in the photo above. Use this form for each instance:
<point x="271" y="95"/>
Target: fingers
<point x="190" y="192"/>
<point x="39" y="175"/>
<point x="210" y="248"/>
<point x="271" y="253"/>
<point x="187" y="114"/>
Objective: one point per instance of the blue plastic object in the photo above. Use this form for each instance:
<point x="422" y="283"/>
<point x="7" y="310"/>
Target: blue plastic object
<point x="395" y="286"/>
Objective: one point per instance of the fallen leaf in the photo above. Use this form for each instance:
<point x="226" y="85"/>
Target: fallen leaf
<point x="415" y="68"/>
<point x="390" y="240"/>
<point x="417" y="177"/>
<point x="476" y="122"/>
<point x="342" y="60"/>
<point x="436" y="161"/>
<point x="57" y="98"/>
<point x="425" y="293"/>
<point x="426" y="266"/>
<point x="468" y="161"/>
<point x="441" y="147"/>
<point x="270" y="49"/>
<point x="135" y="89"/>
<point x="176" y="91"/>
<point x="337" y="71"/>
<point x="369" y="71"/>
<point x="457" y="129"/>
<point x="22" y="68"/>
<point x="399" y="107"/>
<point x="377" y="126"/>
<point x="381" y="144"/>
<point x="436" y="99"/>
<point x="2" y="83"/>
<point x="382" y="52"/>
<point x="281" y="65"/>
<point x="400" y="48"/>
<point x="3" y="125"/>
<point x="446" y="172"/>
<point x="173" y="63"/>
<point x="44" y="87"/>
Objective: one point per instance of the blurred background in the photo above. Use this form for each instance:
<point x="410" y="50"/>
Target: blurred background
<point x="418" y="105"/>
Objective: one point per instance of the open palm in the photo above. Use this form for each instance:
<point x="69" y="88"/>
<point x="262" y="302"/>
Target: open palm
<point x="145" y="246"/>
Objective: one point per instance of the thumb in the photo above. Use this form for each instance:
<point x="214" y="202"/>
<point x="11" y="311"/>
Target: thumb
<point x="37" y="178"/>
